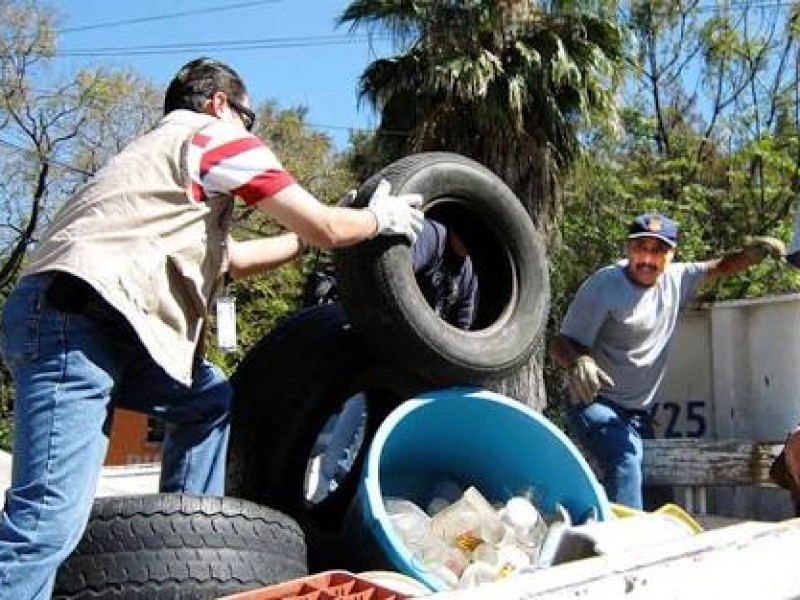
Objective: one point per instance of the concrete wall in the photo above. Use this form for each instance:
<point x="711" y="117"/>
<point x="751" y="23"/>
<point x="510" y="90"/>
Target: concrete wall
<point x="734" y="373"/>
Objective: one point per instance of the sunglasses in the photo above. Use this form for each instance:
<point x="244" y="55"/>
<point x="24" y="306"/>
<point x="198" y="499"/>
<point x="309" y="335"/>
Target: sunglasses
<point x="247" y="116"/>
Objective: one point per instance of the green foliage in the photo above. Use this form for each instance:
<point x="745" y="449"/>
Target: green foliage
<point x="6" y="433"/>
<point x="6" y="409"/>
<point x="62" y="129"/>
<point x="507" y="83"/>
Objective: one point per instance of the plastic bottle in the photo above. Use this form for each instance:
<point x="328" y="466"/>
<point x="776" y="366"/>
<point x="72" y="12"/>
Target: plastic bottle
<point x="443" y="494"/>
<point x="410" y="522"/>
<point x="477" y="573"/>
<point x="512" y="558"/>
<point x="468" y="522"/>
<point x="446" y="562"/>
<point x="412" y="525"/>
<point x="445" y="575"/>
<point x="453" y="558"/>
<point x="528" y="525"/>
<point x="486" y="553"/>
<point x="437" y="505"/>
<point x="552" y="544"/>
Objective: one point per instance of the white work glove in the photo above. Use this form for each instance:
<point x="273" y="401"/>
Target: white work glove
<point x="396" y="215"/>
<point x="757" y="248"/>
<point x="586" y="379"/>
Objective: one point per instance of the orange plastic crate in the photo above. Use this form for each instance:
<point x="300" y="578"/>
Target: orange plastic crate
<point x="338" y="585"/>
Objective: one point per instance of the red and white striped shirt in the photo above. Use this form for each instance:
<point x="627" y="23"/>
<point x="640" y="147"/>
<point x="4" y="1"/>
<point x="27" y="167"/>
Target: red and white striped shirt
<point x="225" y="159"/>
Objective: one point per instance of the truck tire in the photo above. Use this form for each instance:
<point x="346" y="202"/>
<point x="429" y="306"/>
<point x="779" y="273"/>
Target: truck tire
<point x="285" y="390"/>
<point x="180" y="546"/>
<point x="386" y="307"/>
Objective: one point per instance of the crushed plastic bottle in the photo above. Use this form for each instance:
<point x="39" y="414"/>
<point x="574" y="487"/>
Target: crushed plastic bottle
<point x="559" y="523"/>
<point x="410" y="522"/>
<point x="527" y="524"/>
<point x="486" y="553"/>
<point x="443" y="494"/>
<point x="412" y="525"/>
<point x="465" y="541"/>
<point x="477" y="573"/>
<point x="468" y="522"/>
<point x="512" y="558"/>
<point x="445" y="575"/>
<point x="439" y="558"/>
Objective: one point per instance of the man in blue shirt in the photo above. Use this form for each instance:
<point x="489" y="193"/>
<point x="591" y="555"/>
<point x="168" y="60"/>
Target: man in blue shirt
<point x="446" y="279"/>
<point x="444" y="274"/>
<point x="615" y="339"/>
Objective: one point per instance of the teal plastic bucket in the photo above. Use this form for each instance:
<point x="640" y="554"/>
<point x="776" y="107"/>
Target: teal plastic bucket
<point x="478" y="438"/>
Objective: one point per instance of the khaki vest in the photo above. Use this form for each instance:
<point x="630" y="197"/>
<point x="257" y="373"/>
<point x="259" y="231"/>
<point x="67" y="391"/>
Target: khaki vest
<point x="135" y="234"/>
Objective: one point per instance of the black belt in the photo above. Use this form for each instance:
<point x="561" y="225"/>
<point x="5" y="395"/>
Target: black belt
<point x="629" y="412"/>
<point x="68" y="293"/>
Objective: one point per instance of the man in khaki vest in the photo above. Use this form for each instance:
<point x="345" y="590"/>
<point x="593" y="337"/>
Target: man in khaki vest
<point x="112" y="307"/>
<point x="615" y="340"/>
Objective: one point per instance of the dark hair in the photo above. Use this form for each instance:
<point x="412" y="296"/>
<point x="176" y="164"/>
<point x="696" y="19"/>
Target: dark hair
<point x="200" y="79"/>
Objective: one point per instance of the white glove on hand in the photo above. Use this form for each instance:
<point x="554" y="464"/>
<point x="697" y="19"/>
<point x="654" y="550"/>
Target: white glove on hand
<point x="761" y="246"/>
<point x="396" y="215"/>
<point x="586" y="379"/>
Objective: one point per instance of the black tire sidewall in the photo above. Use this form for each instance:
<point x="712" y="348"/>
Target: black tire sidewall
<point x="285" y="391"/>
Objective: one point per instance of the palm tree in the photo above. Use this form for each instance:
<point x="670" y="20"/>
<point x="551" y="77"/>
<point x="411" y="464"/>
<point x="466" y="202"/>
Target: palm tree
<point x="506" y="82"/>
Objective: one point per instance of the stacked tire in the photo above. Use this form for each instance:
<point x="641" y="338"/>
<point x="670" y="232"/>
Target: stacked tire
<point x="286" y="389"/>
<point x="383" y="340"/>
<point x="179" y="546"/>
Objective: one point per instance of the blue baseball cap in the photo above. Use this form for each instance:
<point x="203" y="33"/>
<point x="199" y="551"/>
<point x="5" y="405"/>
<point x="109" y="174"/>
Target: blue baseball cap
<point x="654" y="225"/>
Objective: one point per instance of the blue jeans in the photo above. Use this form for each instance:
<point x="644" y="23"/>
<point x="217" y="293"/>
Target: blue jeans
<point x="70" y="370"/>
<point x="614" y="437"/>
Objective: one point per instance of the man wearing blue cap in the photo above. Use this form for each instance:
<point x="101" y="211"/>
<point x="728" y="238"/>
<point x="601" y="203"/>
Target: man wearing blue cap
<point x="615" y="339"/>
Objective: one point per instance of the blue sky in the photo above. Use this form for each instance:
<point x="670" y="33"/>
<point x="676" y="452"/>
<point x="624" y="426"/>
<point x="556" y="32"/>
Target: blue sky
<point x="297" y="56"/>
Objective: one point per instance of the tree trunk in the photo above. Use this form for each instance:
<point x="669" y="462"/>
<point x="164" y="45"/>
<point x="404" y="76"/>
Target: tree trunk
<point x="525" y="384"/>
<point x="533" y="181"/>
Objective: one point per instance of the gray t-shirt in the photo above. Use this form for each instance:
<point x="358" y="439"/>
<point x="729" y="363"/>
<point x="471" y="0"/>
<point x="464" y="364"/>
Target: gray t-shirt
<point x="630" y="327"/>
